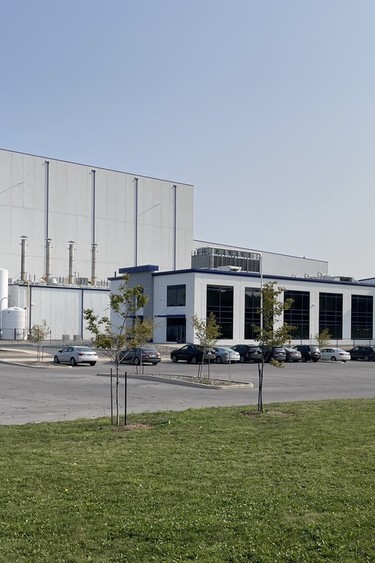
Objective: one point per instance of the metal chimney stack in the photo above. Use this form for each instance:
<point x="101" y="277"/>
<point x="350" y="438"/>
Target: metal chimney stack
<point x="23" y="257"/>
<point x="48" y="259"/>
<point x="71" y="261"/>
<point x="93" y="263"/>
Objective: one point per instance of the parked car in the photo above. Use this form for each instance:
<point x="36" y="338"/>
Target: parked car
<point x="225" y="354"/>
<point x="365" y="353"/>
<point x="141" y="354"/>
<point x="248" y="352"/>
<point x="74" y="355"/>
<point x="275" y="353"/>
<point x="335" y="354"/>
<point x="192" y="353"/>
<point x="309" y="352"/>
<point x="292" y="355"/>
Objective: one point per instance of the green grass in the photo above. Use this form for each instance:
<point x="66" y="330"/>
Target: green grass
<point x="212" y="485"/>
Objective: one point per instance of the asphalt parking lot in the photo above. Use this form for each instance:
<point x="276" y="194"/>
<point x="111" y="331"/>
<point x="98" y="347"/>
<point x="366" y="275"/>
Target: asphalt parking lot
<point x="49" y="393"/>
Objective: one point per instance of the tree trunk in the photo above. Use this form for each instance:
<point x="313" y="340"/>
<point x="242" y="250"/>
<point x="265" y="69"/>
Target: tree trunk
<point x="260" y="385"/>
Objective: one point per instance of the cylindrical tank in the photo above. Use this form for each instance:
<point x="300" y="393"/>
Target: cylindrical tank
<point x="13" y="323"/>
<point x="3" y="289"/>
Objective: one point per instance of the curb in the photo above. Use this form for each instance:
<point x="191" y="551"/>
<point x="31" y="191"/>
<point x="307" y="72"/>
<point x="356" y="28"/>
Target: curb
<point x="179" y="381"/>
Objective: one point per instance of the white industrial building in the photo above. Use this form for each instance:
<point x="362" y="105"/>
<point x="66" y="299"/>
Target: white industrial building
<point x="69" y="232"/>
<point x="344" y="306"/>
<point x="66" y="227"/>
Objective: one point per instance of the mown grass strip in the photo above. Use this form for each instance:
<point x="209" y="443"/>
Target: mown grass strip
<point x="211" y="485"/>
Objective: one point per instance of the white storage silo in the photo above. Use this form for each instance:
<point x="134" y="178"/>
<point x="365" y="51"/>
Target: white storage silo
<point x="13" y="323"/>
<point x="3" y="289"/>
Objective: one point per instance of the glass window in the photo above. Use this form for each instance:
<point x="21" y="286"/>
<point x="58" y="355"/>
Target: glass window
<point x="298" y="315"/>
<point x="362" y="317"/>
<point x="330" y="313"/>
<point x="176" y="295"/>
<point x="220" y="303"/>
<point x="176" y="329"/>
<point x="252" y="311"/>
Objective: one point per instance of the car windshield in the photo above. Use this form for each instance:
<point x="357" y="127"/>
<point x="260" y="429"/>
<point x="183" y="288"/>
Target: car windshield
<point x="84" y="349"/>
<point x="148" y="349"/>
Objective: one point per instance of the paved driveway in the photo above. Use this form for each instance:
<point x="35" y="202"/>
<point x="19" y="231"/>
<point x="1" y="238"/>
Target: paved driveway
<point x="51" y="393"/>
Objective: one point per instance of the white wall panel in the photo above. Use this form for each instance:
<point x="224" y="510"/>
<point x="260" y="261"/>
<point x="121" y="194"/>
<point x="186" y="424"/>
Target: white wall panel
<point x="23" y="211"/>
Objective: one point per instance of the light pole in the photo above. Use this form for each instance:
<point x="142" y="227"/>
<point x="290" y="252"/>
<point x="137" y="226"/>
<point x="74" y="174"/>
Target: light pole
<point x="260" y="364"/>
<point x="261" y="289"/>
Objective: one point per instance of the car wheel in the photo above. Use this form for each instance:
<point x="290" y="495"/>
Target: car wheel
<point x="242" y="359"/>
<point x="92" y="363"/>
<point x="73" y="362"/>
<point x="174" y="359"/>
<point x="154" y="363"/>
<point x="56" y="360"/>
<point x="219" y="360"/>
<point x="304" y="359"/>
<point x="194" y="360"/>
<point x="366" y="358"/>
<point x="136" y="361"/>
<point x="315" y="360"/>
<point x="333" y="358"/>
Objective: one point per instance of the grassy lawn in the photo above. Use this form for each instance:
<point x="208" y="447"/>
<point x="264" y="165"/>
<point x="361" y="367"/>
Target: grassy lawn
<point x="211" y="485"/>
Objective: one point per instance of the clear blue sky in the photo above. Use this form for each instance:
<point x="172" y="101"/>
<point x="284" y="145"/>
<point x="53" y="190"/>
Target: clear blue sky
<point x="266" y="106"/>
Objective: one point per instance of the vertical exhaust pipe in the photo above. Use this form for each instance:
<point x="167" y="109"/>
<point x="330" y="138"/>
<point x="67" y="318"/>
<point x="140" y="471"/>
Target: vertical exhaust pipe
<point x="48" y="259"/>
<point x="71" y="262"/>
<point x="93" y="263"/>
<point x="23" y="257"/>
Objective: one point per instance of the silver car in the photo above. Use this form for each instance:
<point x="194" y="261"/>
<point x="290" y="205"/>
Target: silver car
<point x="74" y="355"/>
<point x="225" y="354"/>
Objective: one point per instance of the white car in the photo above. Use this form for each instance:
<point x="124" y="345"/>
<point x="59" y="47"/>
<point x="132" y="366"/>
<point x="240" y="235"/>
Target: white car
<point x="74" y="355"/>
<point x="225" y="354"/>
<point x="335" y="354"/>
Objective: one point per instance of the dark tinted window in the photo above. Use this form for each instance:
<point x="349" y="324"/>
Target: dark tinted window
<point x="298" y="316"/>
<point x="362" y="317"/>
<point x="176" y="295"/>
<point x="330" y="313"/>
<point x="252" y="311"/>
<point x="220" y="303"/>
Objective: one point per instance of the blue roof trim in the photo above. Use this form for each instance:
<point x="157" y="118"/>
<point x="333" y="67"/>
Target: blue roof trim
<point x="139" y="269"/>
<point x="171" y="316"/>
<point x="265" y="277"/>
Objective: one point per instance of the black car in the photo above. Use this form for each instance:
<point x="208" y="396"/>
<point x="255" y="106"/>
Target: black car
<point x="309" y="352"/>
<point x="248" y="352"/>
<point x="144" y="355"/>
<point x="365" y="353"/>
<point x="192" y="353"/>
<point x="275" y="353"/>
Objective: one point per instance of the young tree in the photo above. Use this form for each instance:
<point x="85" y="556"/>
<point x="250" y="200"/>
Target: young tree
<point x="140" y="334"/>
<point x="39" y="333"/>
<point x="323" y="338"/>
<point x="272" y="331"/>
<point x="207" y="332"/>
<point x="113" y="336"/>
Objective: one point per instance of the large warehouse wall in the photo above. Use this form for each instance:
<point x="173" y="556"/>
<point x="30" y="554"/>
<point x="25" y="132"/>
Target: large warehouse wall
<point x="60" y="307"/>
<point x="131" y="219"/>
